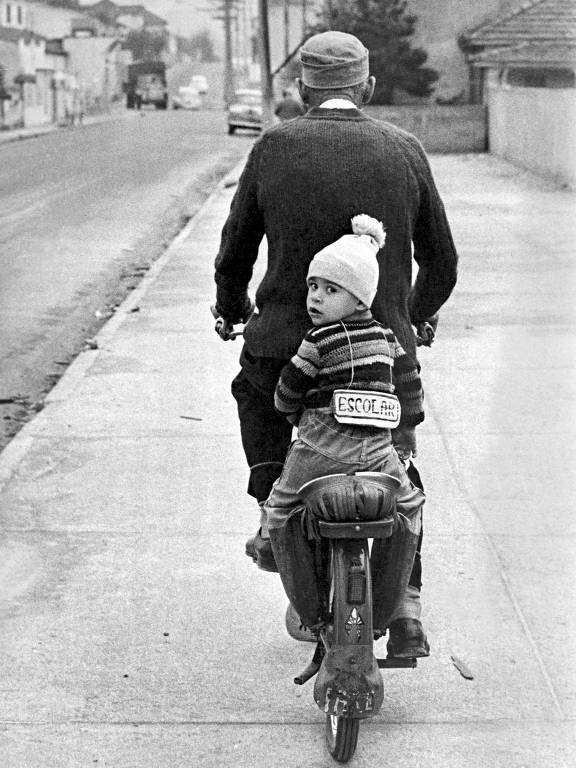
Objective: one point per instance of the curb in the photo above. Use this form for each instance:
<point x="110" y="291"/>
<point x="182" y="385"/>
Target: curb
<point x="17" y="448"/>
<point x="23" y="134"/>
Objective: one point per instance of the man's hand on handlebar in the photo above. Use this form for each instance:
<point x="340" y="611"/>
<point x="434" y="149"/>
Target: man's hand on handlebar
<point x="225" y="328"/>
<point x="426" y="331"/>
<point x="404" y="441"/>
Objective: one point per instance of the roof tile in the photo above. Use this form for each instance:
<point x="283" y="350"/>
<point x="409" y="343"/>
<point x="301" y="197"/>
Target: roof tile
<point x="534" y="21"/>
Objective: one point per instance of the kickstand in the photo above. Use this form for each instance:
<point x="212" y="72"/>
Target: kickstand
<point x="314" y="665"/>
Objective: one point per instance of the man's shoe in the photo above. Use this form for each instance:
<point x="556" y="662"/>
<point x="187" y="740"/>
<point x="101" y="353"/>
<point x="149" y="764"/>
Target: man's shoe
<point x="407" y="639"/>
<point x="260" y="550"/>
<point x="296" y="629"/>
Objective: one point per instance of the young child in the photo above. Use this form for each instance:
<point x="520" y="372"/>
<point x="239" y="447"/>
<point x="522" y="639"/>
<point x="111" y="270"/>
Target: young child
<point x="347" y="352"/>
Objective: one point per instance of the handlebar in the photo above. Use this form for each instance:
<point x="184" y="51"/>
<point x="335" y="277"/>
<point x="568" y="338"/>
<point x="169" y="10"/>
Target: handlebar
<point x="425" y="334"/>
<point x="425" y="331"/>
<point x="225" y="329"/>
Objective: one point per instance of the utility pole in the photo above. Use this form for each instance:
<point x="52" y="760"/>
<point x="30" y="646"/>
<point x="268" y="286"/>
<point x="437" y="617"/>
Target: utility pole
<point x="246" y="32"/>
<point x="225" y="12"/>
<point x="265" y="70"/>
<point x="286" y="28"/>
<point x="228" y="66"/>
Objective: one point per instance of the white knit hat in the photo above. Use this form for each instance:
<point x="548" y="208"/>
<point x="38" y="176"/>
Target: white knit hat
<point x="351" y="262"/>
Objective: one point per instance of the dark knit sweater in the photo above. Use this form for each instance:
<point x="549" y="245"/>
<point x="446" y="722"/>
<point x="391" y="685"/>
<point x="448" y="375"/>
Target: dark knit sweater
<point x="329" y="355"/>
<point x="302" y="183"/>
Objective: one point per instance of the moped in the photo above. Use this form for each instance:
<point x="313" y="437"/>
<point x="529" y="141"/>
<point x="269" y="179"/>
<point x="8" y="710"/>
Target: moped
<point x="350" y="510"/>
<point x="352" y="513"/>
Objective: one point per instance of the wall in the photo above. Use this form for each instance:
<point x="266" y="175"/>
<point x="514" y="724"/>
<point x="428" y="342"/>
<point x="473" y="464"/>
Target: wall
<point x="131" y="21"/>
<point x="50" y="22"/>
<point x="276" y="27"/>
<point x="13" y="14"/>
<point x="535" y="128"/>
<point x="38" y="95"/>
<point x="440" y="129"/>
<point x="10" y="59"/>
<point x="96" y="69"/>
<point x="38" y="99"/>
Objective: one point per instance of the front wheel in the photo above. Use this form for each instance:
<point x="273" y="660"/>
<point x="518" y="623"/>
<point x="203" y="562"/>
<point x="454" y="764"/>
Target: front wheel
<point x="341" y="737"/>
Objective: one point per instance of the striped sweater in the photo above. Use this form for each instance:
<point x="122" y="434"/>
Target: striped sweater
<point x="329" y="354"/>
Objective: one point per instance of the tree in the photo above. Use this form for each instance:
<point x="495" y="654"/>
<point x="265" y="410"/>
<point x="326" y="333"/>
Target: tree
<point x="72" y="4"/>
<point x="144" y="44"/>
<point x="384" y="26"/>
<point x="202" y="43"/>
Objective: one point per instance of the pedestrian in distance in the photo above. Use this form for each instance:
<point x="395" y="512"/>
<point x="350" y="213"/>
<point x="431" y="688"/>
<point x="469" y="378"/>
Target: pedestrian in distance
<point x="348" y="383"/>
<point x="288" y="107"/>
<point x="303" y="181"/>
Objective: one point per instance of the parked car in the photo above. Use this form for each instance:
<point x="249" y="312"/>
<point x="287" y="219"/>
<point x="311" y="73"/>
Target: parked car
<point x="186" y="98"/>
<point x="200" y="83"/>
<point x="245" y="111"/>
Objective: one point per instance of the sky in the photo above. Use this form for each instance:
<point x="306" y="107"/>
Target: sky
<point x="185" y="17"/>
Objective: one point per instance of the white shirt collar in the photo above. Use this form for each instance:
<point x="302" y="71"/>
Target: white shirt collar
<point x="337" y="104"/>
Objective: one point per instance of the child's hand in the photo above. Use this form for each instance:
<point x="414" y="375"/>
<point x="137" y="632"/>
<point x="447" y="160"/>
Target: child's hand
<point x="404" y="440"/>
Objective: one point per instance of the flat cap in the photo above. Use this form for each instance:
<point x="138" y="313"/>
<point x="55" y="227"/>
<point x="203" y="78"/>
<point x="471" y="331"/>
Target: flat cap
<point x="333" y="60"/>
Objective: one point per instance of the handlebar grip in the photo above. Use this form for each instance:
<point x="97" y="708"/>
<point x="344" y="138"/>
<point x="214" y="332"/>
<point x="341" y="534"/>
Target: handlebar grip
<point x="223" y="328"/>
<point x="425" y="334"/>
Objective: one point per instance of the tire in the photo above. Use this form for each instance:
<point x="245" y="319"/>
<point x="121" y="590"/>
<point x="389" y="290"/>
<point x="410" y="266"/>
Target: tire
<point x="231" y="130"/>
<point x="341" y="737"/>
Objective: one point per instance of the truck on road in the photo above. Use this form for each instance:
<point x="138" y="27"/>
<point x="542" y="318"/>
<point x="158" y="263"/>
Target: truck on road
<point x="146" y="84"/>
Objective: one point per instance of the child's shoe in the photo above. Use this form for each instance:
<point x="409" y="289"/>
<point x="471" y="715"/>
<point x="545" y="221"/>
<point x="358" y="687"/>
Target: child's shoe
<point x="296" y="629"/>
<point x="260" y="550"/>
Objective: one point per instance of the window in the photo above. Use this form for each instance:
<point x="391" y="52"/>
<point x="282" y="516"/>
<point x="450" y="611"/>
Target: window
<point x="19" y="15"/>
<point x="541" y="77"/>
<point x="8" y="14"/>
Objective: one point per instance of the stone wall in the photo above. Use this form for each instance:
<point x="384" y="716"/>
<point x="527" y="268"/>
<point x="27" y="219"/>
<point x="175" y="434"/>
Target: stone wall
<point x="453" y="129"/>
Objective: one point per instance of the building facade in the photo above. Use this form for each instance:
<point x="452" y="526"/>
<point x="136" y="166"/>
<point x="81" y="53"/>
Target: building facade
<point x="56" y="63"/>
<point x="526" y="75"/>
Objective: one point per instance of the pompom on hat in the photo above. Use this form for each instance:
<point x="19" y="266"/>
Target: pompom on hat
<point x="350" y="261"/>
<point x="333" y="60"/>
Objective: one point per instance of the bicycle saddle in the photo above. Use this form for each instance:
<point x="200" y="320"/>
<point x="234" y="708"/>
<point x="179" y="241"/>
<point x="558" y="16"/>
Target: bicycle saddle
<point x="358" y="496"/>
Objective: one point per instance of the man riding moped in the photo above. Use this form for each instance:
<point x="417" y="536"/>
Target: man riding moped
<point x="303" y="182"/>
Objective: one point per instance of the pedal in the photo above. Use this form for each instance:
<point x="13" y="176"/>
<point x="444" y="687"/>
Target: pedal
<point x="313" y="667"/>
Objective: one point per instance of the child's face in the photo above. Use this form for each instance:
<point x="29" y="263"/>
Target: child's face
<point x="328" y="302"/>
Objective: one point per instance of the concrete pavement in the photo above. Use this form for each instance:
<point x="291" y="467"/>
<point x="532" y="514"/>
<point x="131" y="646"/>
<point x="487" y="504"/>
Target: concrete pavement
<point x="136" y="633"/>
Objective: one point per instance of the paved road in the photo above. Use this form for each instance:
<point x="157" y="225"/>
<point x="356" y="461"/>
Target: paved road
<point x="77" y="207"/>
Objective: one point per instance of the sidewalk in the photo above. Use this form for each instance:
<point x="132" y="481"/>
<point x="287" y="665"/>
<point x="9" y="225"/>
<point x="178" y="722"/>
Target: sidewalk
<point x="134" y="631"/>
<point x="19" y="134"/>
